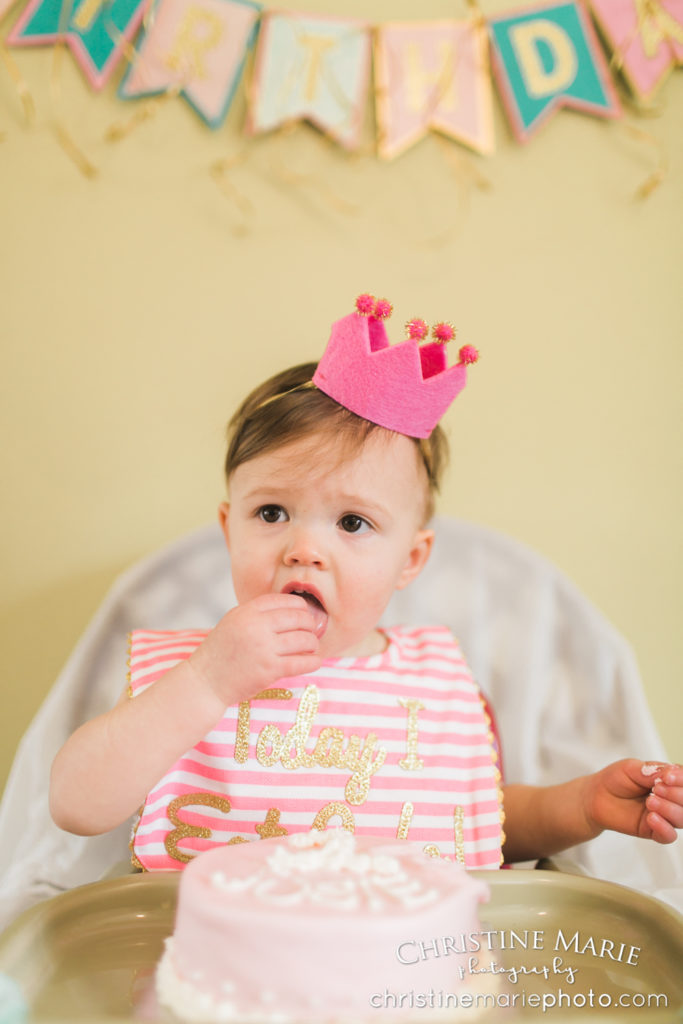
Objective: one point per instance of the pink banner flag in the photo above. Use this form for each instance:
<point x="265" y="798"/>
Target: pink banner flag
<point x="433" y="75"/>
<point x="646" y="37"/>
<point x="197" y="47"/>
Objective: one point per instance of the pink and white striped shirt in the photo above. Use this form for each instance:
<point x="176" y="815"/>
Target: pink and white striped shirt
<point x="397" y="744"/>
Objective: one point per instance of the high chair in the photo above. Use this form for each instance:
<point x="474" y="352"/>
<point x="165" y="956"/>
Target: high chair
<point x="563" y="684"/>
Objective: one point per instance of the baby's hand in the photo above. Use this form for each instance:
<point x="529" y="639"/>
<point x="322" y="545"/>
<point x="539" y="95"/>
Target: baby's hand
<point x="639" y="798"/>
<point x="255" y="644"/>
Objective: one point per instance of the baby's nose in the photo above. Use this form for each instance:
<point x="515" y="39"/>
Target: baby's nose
<point x="304" y="549"/>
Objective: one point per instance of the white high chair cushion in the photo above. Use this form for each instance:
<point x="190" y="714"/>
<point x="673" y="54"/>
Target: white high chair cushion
<point x="563" y="684"/>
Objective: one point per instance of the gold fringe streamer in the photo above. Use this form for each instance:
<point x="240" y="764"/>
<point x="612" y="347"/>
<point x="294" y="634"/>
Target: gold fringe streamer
<point x="64" y="137"/>
<point x="464" y="167"/>
<point x="467" y="175"/>
<point x="314" y="183"/>
<point x="309" y="180"/>
<point x="659" y="174"/>
<point x="22" y="89"/>
<point x="73" y="150"/>
<point x="220" y="175"/>
<point x="149" y="109"/>
<point x="145" y="112"/>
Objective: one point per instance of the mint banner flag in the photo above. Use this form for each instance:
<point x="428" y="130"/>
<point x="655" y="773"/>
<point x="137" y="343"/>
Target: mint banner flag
<point x="646" y="37"/>
<point x="433" y="75"/>
<point x="96" y="31"/>
<point x="197" y="47"/>
<point x="546" y="58"/>
<point x="311" y="68"/>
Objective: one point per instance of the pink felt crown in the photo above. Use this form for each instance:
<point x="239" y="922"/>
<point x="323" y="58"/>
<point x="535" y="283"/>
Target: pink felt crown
<point x="404" y="387"/>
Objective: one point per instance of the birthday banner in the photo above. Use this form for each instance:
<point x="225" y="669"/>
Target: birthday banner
<point x="426" y="75"/>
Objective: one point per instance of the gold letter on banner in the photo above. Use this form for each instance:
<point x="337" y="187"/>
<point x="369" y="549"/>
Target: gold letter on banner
<point x="656" y="26"/>
<point x="317" y="45"/>
<point x="198" y="32"/>
<point x="86" y="14"/>
<point x="538" y="81"/>
<point x="430" y="88"/>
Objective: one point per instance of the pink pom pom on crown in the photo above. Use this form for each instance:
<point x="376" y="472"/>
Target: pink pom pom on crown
<point x="417" y="329"/>
<point x="383" y="309"/>
<point x="468" y="354"/>
<point x="443" y="332"/>
<point x="365" y="304"/>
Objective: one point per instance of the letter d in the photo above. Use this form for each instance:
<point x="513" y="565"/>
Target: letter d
<point x="539" y="81"/>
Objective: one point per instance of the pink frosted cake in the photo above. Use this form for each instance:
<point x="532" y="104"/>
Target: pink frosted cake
<point x="315" y="926"/>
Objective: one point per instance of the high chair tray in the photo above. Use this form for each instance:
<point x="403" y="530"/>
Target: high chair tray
<point x="89" y="955"/>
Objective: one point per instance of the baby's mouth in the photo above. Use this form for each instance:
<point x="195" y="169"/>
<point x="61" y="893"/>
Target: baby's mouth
<point x="315" y="606"/>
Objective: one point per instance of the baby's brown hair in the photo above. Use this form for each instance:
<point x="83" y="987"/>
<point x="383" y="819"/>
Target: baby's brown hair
<point x="288" y="407"/>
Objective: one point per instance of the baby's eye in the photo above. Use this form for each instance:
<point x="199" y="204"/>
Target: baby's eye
<point x="272" y="513"/>
<point x="352" y="523"/>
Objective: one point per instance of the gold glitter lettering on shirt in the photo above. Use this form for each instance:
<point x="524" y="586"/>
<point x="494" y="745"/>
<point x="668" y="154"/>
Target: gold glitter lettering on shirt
<point x="328" y="749"/>
<point x="459" y="830"/>
<point x="243" y="720"/>
<point x="271" y="827"/>
<point x="404" y="820"/>
<point x="358" y="786"/>
<point x="361" y="757"/>
<point x="297" y="737"/>
<point x="411" y="763"/>
<point x="183" y="829"/>
<point x="329" y="811"/>
<point x="268" y="746"/>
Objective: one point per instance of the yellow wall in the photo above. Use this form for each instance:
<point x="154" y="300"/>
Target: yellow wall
<point x="135" y="315"/>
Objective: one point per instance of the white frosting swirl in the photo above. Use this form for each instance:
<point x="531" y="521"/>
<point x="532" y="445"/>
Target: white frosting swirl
<point x="298" y="871"/>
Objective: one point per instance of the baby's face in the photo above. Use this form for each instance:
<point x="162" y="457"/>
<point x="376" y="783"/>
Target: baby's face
<point x="346" y="532"/>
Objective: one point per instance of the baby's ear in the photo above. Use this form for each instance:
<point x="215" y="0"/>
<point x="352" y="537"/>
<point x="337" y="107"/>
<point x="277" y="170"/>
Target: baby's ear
<point x="420" y="551"/>
<point x="223" y="518"/>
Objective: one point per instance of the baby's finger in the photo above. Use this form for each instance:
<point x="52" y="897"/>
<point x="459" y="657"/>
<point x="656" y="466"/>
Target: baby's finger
<point x="662" y="830"/>
<point x="275" y="602"/>
<point x="667" y="802"/>
<point x="300" y="641"/>
<point x="300" y="664"/>
<point x="673" y="775"/>
<point x="285" y="620"/>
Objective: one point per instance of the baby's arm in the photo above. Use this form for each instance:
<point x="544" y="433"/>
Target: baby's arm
<point x="542" y="820"/>
<point x="104" y="771"/>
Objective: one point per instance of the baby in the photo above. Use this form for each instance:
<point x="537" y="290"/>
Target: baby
<point x="297" y="709"/>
